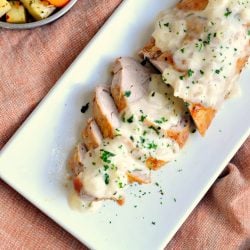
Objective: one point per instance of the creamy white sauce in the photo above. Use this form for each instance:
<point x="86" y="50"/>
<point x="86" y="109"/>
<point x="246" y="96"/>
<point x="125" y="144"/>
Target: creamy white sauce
<point x="206" y="46"/>
<point x="141" y="135"/>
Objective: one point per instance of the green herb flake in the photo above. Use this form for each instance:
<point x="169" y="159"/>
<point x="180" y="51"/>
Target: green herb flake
<point x="127" y="93"/>
<point x="106" y="167"/>
<point x="228" y="12"/>
<point x="190" y="72"/>
<point x="106" y="178"/>
<point x="142" y="139"/>
<point x="130" y="119"/>
<point x="123" y="117"/>
<point x="152" y="145"/>
<point x="105" y="155"/>
<point x="199" y="46"/>
<point x="143" y="117"/>
<point x="162" y="120"/>
<point x="155" y="129"/>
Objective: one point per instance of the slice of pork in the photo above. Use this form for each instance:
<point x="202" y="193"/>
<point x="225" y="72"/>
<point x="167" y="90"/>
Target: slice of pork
<point x="105" y="111"/>
<point x="92" y="135"/>
<point x="130" y="81"/>
<point x="76" y="159"/>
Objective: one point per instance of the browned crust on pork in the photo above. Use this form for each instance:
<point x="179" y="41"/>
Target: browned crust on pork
<point x="180" y="136"/>
<point x="102" y="121"/>
<point x="154" y="164"/>
<point x="135" y="178"/>
<point x="119" y="98"/>
<point x="195" y="5"/>
<point x="241" y="64"/>
<point x="202" y="116"/>
<point x="150" y="50"/>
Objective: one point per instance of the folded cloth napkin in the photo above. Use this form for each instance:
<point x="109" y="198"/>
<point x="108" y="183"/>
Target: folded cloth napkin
<point x="32" y="61"/>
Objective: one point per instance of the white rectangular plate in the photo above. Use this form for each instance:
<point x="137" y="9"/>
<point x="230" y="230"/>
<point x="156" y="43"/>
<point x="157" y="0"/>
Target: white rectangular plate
<point x="34" y="160"/>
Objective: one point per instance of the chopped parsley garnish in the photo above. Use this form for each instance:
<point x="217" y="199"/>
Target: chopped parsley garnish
<point x="105" y="155"/>
<point x="248" y="32"/>
<point x="123" y="117"/>
<point x="143" y="117"/>
<point x="208" y="40"/>
<point x="120" y="185"/>
<point x="166" y="24"/>
<point x="202" y="72"/>
<point x="130" y="119"/>
<point x="182" y="50"/>
<point x="106" y="178"/>
<point x="217" y="71"/>
<point x="118" y="132"/>
<point x="127" y="93"/>
<point x="142" y="139"/>
<point x="152" y="145"/>
<point x="106" y="167"/>
<point x="199" y="46"/>
<point x="162" y="120"/>
<point x="155" y="129"/>
<point x="182" y="78"/>
<point x="153" y="223"/>
<point x="190" y="72"/>
<point x="228" y="12"/>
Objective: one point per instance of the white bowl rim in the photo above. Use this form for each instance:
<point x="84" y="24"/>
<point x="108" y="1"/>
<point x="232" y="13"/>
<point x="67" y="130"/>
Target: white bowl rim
<point x="39" y="23"/>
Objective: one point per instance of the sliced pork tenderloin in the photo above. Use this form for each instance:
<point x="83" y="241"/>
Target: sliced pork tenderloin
<point x="130" y="81"/>
<point x="92" y="135"/>
<point x="105" y="112"/>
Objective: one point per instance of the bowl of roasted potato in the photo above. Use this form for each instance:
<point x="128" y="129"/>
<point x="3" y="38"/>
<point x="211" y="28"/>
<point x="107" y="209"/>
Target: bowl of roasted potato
<point x="28" y="14"/>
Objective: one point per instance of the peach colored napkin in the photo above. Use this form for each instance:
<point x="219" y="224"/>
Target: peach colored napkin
<point x="31" y="62"/>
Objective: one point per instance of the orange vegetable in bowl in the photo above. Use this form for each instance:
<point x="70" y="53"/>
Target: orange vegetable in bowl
<point x="58" y="3"/>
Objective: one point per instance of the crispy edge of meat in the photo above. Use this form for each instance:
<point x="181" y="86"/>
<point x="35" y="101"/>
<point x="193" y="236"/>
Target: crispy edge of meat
<point x="194" y="5"/>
